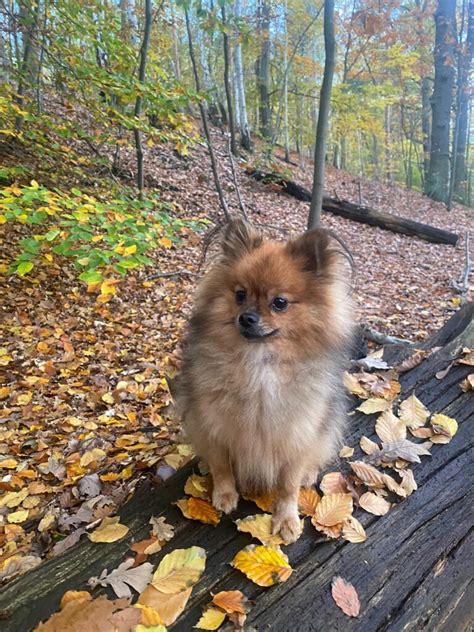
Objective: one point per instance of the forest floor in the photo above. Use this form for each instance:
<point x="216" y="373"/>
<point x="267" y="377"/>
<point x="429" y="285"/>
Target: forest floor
<point x="83" y="377"/>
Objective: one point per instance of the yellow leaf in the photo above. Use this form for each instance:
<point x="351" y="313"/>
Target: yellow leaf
<point x="109" y="530"/>
<point x="179" y="569"/>
<point x="389" y="428"/>
<point x="333" y="509"/>
<point x="18" y="516"/>
<point x="263" y="502"/>
<point x="168" y="606"/>
<point x="353" y="385"/>
<point x="230" y="601"/>
<point x="8" y="464"/>
<point x="198" y="509"/>
<point x="150" y="616"/>
<point x="165" y="242"/>
<point x="346" y="452"/>
<point x="108" y="398"/>
<point x="130" y="250"/>
<point x="96" y="454"/>
<point x="374" y="504"/>
<point x="332" y="532"/>
<point x="198" y="486"/>
<point x="308" y="499"/>
<point x="263" y="565"/>
<point x="107" y="287"/>
<point x="368" y="446"/>
<point x="444" y="425"/>
<point x="46" y="522"/>
<point x="260" y="527"/>
<point x="25" y="398"/>
<point x="97" y="238"/>
<point x="353" y="531"/>
<point x="74" y="595"/>
<point x="413" y="413"/>
<point x="211" y="619"/>
<point x="374" y="405"/>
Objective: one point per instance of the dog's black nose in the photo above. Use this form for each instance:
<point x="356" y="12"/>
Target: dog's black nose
<point x="248" y="319"/>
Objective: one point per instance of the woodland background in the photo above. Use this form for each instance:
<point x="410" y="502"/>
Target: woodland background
<point x="108" y="192"/>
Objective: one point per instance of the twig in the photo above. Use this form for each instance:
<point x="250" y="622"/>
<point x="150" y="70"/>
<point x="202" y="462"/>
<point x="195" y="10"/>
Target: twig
<point x="382" y="339"/>
<point x="462" y="286"/>
<point x="167" y="275"/>
<point x="234" y="178"/>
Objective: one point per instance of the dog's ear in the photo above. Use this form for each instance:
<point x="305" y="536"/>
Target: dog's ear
<point x="240" y="238"/>
<point x="315" y="251"/>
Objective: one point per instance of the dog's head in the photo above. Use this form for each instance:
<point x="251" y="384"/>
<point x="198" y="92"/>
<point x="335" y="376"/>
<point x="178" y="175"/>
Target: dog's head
<point x="286" y="295"/>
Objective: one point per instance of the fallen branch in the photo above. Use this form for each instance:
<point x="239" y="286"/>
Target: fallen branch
<point x="168" y="275"/>
<point x="382" y="339"/>
<point x="462" y="286"/>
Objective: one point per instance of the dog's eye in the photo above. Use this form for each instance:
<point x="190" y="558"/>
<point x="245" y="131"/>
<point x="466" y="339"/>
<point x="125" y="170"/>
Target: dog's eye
<point x="279" y="304"/>
<point x="240" y="296"/>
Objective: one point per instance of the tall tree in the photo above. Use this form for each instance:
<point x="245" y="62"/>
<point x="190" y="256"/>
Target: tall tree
<point x="244" y="129"/>
<point x="465" y="54"/>
<point x="314" y="216"/>
<point x="263" y="70"/>
<point x="228" y="91"/>
<point x="437" y="181"/>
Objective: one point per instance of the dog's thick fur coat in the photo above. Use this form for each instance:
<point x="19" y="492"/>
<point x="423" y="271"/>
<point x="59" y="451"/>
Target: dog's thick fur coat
<point x="266" y="414"/>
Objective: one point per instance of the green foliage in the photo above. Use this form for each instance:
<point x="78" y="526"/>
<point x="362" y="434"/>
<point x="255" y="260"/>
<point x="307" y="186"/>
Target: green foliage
<point x="100" y="236"/>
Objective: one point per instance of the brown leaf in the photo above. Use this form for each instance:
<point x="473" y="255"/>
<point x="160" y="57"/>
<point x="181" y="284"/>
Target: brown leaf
<point x="389" y="428"/>
<point x="169" y="606"/>
<point x="231" y="601"/>
<point x="333" y="483"/>
<point x="333" y="509"/>
<point x="307" y="501"/>
<point x="367" y="474"/>
<point x="197" y="509"/>
<point x="374" y="504"/>
<point x="345" y="596"/>
<point x="468" y="384"/>
<point x="368" y="446"/>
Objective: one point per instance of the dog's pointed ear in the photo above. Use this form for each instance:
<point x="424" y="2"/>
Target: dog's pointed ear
<point x="314" y="251"/>
<point x="240" y="238"/>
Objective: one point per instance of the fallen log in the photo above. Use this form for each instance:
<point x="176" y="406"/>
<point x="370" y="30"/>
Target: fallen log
<point x="418" y="555"/>
<point x="362" y="214"/>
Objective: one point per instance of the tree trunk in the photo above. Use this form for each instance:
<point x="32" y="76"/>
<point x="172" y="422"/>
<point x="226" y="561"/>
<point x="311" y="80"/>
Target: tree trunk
<point x="263" y="71"/>
<point x="323" y="116"/>
<point x="29" y="16"/>
<point x="286" y="139"/>
<point x="138" y="102"/>
<point x="436" y="185"/>
<point x="202" y="110"/>
<point x="228" y="91"/>
<point x="244" y="128"/>
<point x="426" y="124"/>
<point x="459" y="175"/>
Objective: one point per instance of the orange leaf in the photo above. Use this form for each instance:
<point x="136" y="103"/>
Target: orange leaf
<point x="345" y="596"/>
<point x="198" y="509"/>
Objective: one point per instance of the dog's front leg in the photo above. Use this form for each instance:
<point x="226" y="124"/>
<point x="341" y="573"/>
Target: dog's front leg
<point x="224" y="492"/>
<point x="285" y="512"/>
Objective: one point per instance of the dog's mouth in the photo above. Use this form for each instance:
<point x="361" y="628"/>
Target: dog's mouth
<point x="258" y="337"/>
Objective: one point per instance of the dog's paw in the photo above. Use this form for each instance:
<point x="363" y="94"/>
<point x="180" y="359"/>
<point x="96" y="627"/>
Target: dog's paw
<point x="310" y="478"/>
<point x="225" y="500"/>
<point x="288" y="526"/>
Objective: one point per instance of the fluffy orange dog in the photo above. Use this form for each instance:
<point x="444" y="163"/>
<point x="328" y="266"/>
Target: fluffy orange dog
<point x="261" y="390"/>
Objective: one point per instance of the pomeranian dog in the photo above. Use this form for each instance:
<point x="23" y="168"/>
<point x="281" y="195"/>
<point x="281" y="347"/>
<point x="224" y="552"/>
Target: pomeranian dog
<point x="261" y="392"/>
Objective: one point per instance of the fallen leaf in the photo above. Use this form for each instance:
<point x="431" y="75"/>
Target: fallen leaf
<point x="467" y="384"/>
<point x="374" y="405"/>
<point x="17" y="517"/>
<point x="198" y="486"/>
<point x="161" y="529"/>
<point x="408" y="481"/>
<point x="264" y="502"/>
<point x="368" y="446"/>
<point x="74" y="595"/>
<point x="346" y="452"/>
<point x="109" y="530"/>
<point x="333" y="483"/>
<point x="353" y="385"/>
<point x="440" y="375"/>
<point x="308" y="498"/>
<point x="374" y="504"/>
<point x="230" y="601"/>
<point x="149" y="616"/>
<point x="124" y="577"/>
<point x="198" y="509"/>
<point x="179" y="569"/>
<point x="353" y="531"/>
<point x="413" y="361"/>
<point x="333" y="509"/>
<point x="147" y="547"/>
<point x="168" y="606"/>
<point x="403" y="449"/>
<point x="367" y="474"/>
<point x="345" y="596"/>
<point x="393" y="486"/>
<point x="413" y="413"/>
<point x="444" y="425"/>
<point x="211" y="619"/>
<point x="332" y="532"/>
<point x="260" y="527"/>
<point x="80" y="615"/>
<point x="262" y="565"/>
<point x="389" y="428"/>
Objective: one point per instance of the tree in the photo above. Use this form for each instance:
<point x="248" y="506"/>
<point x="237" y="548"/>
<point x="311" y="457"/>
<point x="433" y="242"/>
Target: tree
<point x="263" y="70"/>
<point x="323" y="116"/>
<point x="437" y="181"/>
<point x="243" y="122"/>
<point x="228" y="92"/>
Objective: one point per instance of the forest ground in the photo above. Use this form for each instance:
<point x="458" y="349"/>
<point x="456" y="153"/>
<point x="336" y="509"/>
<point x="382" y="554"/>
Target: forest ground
<point x="84" y="377"/>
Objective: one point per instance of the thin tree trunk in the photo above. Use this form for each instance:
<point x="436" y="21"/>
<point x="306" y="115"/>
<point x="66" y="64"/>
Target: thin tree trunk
<point x="314" y="216"/>
<point x="29" y="20"/>
<point x="138" y="102"/>
<point x="286" y="139"/>
<point x="263" y="71"/>
<point x="202" y="110"/>
<point x="228" y="91"/>
<point x="388" y="143"/>
<point x="177" y="65"/>
<point x="244" y="130"/>
<point x="459" y="175"/>
<point x="426" y="124"/>
<point x="436" y="185"/>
